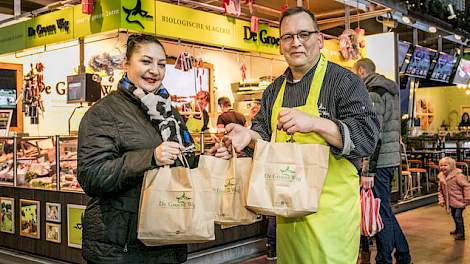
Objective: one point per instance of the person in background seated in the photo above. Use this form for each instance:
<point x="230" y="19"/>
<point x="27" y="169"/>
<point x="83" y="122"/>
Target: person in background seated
<point x="454" y="193"/>
<point x="465" y="121"/>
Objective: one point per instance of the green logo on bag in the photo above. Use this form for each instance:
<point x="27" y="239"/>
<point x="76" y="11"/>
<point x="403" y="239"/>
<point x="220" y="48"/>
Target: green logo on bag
<point x="231" y="187"/>
<point x="287" y="174"/>
<point x="183" y="201"/>
<point x="280" y="204"/>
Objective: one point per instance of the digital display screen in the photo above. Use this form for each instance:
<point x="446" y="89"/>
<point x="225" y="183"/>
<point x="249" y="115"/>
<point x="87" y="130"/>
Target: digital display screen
<point x="462" y="74"/>
<point x="420" y="62"/>
<point x="403" y="48"/>
<point x="8" y="89"/>
<point x="443" y="68"/>
<point x="74" y="91"/>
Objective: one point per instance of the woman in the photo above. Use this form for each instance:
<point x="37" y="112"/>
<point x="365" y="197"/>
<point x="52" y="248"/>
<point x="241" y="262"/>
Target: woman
<point x="125" y="134"/>
<point x="465" y="121"/>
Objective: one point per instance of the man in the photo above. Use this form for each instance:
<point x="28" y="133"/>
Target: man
<point x="385" y="96"/>
<point x="335" y="109"/>
<point x="199" y="121"/>
<point x="228" y="114"/>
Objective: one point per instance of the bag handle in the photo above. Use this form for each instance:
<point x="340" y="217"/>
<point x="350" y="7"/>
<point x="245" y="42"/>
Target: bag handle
<point x="234" y="160"/>
<point x="183" y="160"/>
<point x="274" y="135"/>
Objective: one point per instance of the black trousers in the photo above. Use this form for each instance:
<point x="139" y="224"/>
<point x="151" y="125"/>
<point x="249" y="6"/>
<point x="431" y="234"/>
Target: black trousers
<point x="457" y="214"/>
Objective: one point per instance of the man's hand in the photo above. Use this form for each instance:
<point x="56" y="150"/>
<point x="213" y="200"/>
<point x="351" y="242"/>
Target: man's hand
<point x="441" y="204"/>
<point x="293" y="120"/>
<point x="237" y="136"/>
<point x="167" y="152"/>
<point x="367" y="182"/>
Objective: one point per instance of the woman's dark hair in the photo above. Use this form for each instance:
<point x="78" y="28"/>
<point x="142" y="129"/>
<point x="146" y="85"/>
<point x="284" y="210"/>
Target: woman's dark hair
<point x="296" y="10"/>
<point x="135" y="39"/>
<point x="468" y="117"/>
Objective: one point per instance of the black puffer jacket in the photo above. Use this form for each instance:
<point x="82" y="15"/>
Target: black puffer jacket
<point x="116" y="146"/>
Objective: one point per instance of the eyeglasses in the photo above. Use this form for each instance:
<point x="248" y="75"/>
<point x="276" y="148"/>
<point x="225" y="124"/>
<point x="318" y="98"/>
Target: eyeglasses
<point x="302" y="36"/>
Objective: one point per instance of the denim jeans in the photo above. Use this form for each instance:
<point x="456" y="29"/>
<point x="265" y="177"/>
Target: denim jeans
<point x="271" y="235"/>
<point x="457" y="214"/>
<point x="391" y="237"/>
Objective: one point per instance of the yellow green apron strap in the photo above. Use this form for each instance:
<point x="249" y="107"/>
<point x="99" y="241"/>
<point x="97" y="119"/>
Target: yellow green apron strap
<point x="320" y="72"/>
<point x="312" y="97"/>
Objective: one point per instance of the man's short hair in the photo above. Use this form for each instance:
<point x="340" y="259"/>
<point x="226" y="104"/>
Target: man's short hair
<point x="367" y="64"/>
<point x="224" y="101"/>
<point x="296" y="10"/>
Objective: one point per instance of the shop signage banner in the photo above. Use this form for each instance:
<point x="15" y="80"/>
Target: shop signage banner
<point x="188" y="24"/>
<point x="50" y="28"/>
<point x="138" y="15"/>
<point x="12" y="38"/>
<point x="106" y="16"/>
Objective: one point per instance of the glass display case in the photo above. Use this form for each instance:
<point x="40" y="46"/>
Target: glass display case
<point x="31" y="162"/>
<point x="67" y="156"/>
<point x="6" y="161"/>
<point x="35" y="160"/>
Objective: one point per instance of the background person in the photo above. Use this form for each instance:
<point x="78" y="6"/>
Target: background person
<point x="454" y="193"/>
<point x="385" y="96"/>
<point x="465" y="120"/>
<point x="228" y="115"/>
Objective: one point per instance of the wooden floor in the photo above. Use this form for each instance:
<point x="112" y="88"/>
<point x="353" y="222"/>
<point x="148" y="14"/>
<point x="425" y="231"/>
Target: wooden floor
<point x="427" y="230"/>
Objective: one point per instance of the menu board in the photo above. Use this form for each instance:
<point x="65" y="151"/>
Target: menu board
<point x="462" y="74"/>
<point x="8" y="94"/>
<point x="5" y="120"/>
<point x="443" y="68"/>
<point x="420" y="62"/>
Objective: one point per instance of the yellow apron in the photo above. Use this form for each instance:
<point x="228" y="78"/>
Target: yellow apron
<point x="195" y="125"/>
<point x="330" y="236"/>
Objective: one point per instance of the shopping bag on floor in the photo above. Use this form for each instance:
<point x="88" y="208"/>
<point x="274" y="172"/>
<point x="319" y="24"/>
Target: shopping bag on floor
<point x="287" y="178"/>
<point x="233" y="210"/>
<point x="176" y="207"/>
<point x="371" y="222"/>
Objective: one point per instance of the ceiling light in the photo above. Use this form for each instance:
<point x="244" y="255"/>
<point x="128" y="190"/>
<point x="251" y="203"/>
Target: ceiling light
<point x="406" y="20"/>
<point x="432" y="29"/>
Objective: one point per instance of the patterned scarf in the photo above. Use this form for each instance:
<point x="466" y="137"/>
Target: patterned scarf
<point x="158" y="106"/>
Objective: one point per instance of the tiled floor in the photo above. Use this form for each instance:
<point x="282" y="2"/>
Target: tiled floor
<point x="427" y="230"/>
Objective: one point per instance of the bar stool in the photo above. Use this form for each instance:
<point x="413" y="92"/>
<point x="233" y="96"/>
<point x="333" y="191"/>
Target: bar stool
<point x="413" y="163"/>
<point x="410" y="184"/>
<point x="433" y="171"/>
<point x="463" y="166"/>
<point x="418" y="172"/>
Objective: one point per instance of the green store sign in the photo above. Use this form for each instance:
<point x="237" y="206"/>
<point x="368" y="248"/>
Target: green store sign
<point x="146" y="16"/>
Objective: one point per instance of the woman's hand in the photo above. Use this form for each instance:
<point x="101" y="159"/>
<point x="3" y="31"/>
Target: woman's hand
<point x="167" y="152"/>
<point x="219" y="150"/>
<point x="222" y="151"/>
<point x="237" y="136"/>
